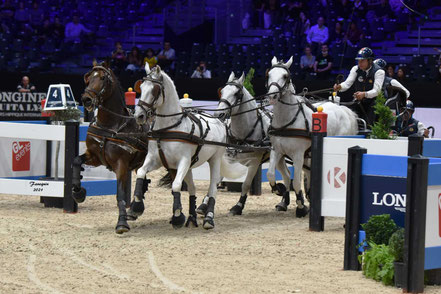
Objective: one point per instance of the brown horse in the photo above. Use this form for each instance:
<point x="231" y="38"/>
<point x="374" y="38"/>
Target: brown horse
<point x="114" y="140"/>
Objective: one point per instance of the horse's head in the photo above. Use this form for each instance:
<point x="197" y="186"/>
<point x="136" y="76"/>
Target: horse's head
<point x="152" y="93"/>
<point x="230" y="97"/>
<point x="278" y="79"/>
<point x="98" y="82"/>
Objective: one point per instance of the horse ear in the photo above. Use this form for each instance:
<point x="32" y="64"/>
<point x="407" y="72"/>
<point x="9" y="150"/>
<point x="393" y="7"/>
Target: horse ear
<point x="242" y="78"/>
<point x="94" y="63"/>
<point x="137" y="86"/>
<point x="274" y="61"/>
<point x="288" y="64"/>
<point x="147" y="68"/>
<point x="158" y="70"/>
<point x="86" y="77"/>
<point x="231" y="77"/>
<point x="219" y="92"/>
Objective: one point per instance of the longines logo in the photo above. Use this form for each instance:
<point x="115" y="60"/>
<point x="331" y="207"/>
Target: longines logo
<point x="398" y="201"/>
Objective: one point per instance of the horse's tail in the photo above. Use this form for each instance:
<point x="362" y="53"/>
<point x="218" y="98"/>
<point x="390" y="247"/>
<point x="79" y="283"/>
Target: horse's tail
<point x="231" y="170"/>
<point x="166" y="181"/>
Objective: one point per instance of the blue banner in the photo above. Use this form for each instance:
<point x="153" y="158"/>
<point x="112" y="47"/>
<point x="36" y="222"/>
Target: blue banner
<point x="381" y="195"/>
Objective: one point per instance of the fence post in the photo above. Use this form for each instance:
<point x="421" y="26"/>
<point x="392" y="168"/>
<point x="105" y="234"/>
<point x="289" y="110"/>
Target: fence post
<point x="353" y="195"/>
<point x="319" y="129"/>
<point x="71" y="150"/>
<point x="415" y="145"/>
<point x="256" y="184"/>
<point x="415" y="225"/>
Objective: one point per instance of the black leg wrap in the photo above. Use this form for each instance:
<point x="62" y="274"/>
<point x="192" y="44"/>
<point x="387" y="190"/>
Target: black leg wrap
<point x="202" y="209"/>
<point x="291" y="185"/>
<point x="283" y="205"/>
<point x="192" y="218"/>
<point x="139" y="188"/>
<point x="78" y="192"/>
<point x="302" y="210"/>
<point x="136" y="210"/>
<point x="178" y="218"/>
<point x="237" y="209"/>
<point x="278" y="189"/>
<point x="209" y="216"/>
<point x="122" y="226"/>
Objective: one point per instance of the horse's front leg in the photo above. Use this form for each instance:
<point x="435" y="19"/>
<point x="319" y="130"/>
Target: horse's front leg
<point x="298" y="158"/>
<point x="283" y="169"/>
<point x="178" y="218"/>
<point x="122" y="196"/>
<point x="275" y="158"/>
<point x="141" y="186"/>
<point x="192" y="217"/>
<point x="78" y="192"/>
<point x="253" y="166"/>
<point x="215" y="176"/>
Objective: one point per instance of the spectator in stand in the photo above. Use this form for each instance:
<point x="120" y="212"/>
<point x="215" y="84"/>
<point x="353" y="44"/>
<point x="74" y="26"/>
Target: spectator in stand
<point x="150" y="58"/>
<point x="401" y="76"/>
<point x="304" y="25"/>
<point x="390" y="71"/>
<point x="307" y="62"/>
<point x="58" y="30"/>
<point x="21" y="15"/>
<point x="318" y="35"/>
<point x="118" y="57"/>
<point x="201" y="72"/>
<point x="25" y="86"/>
<point x="353" y="35"/>
<point x="323" y="64"/>
<point x="337" y="35"/>
<point x="36" y="16"/>
<point x="74" y="30"/>
<point x="46" y="31"/>
<point x="360" y="9"/>
<point x="135" y="59"/>
<point x="271" y="16"/>
<point x="166" y="57"/>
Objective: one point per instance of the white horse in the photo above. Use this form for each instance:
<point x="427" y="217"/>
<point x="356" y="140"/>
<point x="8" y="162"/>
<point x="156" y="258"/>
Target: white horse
<point x="249" y="125"/>
<point x="178" y="144"/>
<point x="289" y="130"/>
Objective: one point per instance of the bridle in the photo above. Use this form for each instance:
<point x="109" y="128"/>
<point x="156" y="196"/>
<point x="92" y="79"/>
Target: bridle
<point x="238" y="96"/>
<point x="158" y="89"/>
<point x="283" y="88"/>
<point x="97" y="97"/>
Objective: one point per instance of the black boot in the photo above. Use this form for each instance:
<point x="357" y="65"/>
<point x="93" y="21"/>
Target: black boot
<point x="302" y="210"/>
<point x="237" y="209"/>
<point x="202" y="209"/>
<point x="178" y="218"/>
<point x="283" y="205"/>
<point x="278" y="189"/>
<point x="192" y="218"/>
<point x="209" y="217"/>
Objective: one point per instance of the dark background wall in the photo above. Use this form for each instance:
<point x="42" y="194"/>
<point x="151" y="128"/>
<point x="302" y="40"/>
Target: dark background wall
<point x="424" y="94"/>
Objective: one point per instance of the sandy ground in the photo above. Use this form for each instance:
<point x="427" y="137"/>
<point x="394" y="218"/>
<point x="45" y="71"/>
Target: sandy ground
<point x="43" y="250"/>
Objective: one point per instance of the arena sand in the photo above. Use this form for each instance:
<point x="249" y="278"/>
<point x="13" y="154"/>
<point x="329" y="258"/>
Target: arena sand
<point x="43" y="250"/>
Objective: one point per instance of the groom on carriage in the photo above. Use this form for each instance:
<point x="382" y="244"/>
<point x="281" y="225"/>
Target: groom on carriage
<point x="368" y="79"/>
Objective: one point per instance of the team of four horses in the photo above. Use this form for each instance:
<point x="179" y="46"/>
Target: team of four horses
<point x="162" y="133"/>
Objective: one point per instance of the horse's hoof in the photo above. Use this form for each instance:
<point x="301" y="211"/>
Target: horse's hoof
<point x="178" y="221"/>
<point x="282" y="206"/>
<point x="137" y="208"/>
<point x="278" y="189"/>
<point x="208" y="223"/>
<point x="192" y="221"/>
<point x="122" y="227"/>
<point x="80" y="195"/>
<point x="202" y="209"/>
<point x="236" y="210"/>
<point x="302" y="212"/>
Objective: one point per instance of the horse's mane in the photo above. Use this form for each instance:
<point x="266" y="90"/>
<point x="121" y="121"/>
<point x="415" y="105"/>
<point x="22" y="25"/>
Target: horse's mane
<point x="167" y="78"/>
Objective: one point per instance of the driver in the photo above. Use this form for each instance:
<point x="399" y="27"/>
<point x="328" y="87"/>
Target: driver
<point x="368" y="79"/>
<point x="406" y="125"/>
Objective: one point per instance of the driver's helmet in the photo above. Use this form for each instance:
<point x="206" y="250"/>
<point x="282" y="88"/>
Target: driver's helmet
<point x="380" y="62"/>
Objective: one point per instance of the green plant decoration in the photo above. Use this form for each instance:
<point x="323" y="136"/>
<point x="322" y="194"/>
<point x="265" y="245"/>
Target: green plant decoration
<point x="378" y="263"/>
<point x="396" y="244"/>
<point x="385" y="119"/>
<point x="379" y="229"/>
<point x="247" y="83"/>
<point x="70" y="113"/>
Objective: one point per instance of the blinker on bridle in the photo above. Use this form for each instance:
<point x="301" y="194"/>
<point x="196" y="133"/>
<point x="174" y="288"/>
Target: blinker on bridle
<point x="157" y="83"/>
